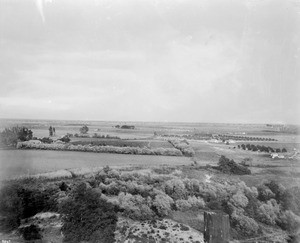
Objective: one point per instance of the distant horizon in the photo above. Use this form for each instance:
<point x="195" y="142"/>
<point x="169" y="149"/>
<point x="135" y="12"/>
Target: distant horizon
<point x="140" y="121"/>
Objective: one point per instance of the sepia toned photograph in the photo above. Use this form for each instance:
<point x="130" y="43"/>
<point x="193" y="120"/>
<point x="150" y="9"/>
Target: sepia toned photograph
<point x="150" y="121"/>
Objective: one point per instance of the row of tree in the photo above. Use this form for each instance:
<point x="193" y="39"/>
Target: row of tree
<point x="261" y="148"/>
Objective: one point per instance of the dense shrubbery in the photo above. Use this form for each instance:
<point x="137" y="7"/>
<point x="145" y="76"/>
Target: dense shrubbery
<point x="10" y="136"/>
<point x="183" y="146"/>
<point x="31" y="232"/>
<point x="144" y="196"/>
<point x="229" y="166"/>
<point x="19" y="200"/>
<point x="101" y="149"/>
<point x="88" y="217"/>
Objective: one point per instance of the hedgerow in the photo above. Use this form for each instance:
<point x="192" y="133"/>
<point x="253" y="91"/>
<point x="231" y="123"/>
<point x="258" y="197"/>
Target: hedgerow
<point x="183" y="146"/>
<point x="100" y="149"/>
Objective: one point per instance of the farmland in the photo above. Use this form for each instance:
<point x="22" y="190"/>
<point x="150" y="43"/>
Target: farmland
<point x="16" y="162"/>
<point x="168" y="194"/>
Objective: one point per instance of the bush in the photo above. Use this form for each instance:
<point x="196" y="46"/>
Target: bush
<point x="289" y="221"/>
<point x="19" y="200"/>
<point x="65" y="139"/>
<point x="196" y="202"/>
<point x="264" y="193"/>
<point x="88" y="217"/>
<point x="183" y="205"/>
<point x="229" y="166"/>
<point x="32" y="232"/>
<point x="46" y="140"/>
<point x="184" y="147"/>
<point x="268" y="212"/>
<point x="10" y="136"/>
<point x="291" y="200"/>
<point x="84" y="129"/>
<point x="135" y="206"/>
<point x="175" y="188"/>
<point x="163" y="204"/>
<point x="11" y="207"/>
<point x="244" y="225"/>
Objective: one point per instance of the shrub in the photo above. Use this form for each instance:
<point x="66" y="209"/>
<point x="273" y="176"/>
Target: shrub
<point x="163" y="204"/>
<point x="19" y="200"/>
<point x="84" y="129"/>
<point x="289" y="221"/>
<point x="244" y="225"/>
<point x="229" y="166"/>
<point x="277" y="188"/>
<point x="135" y="206"/>
<point x="88" y="217"/>
<point x="239" y="200"/>
<point x="11" y="207"/>
<point x="291" y="200"/>
<point x="184" y="147"/>
<point x="183" y="205"/>
<point x="175" y="188"/>
<point x="10" y="136"/>
<point x="31" y="232"/>
<point x="196" y="202"/>
<point x="264" y="193"/>
<point x="65" y="139"/>
<point x="46" y="140"/>
<point x="268" y="212"/>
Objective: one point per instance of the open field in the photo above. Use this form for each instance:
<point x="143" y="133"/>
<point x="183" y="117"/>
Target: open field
<point x="18" y="162"/>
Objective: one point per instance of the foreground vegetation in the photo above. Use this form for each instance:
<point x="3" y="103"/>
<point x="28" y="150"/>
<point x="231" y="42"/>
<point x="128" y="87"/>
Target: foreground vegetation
<point x="90" y="207"/>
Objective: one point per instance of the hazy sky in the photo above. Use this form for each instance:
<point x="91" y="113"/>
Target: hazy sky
<point x="150" y="60"/>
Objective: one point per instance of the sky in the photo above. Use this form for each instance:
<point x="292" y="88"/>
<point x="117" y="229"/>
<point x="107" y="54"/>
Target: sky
<point x="151" y="60"/>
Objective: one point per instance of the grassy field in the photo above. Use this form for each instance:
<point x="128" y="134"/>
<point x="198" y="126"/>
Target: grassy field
<point x="19" y="162"/>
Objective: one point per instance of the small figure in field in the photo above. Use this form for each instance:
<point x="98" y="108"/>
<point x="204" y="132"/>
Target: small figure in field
<point x="50" y="131"/>
<point x="53" y="129"/>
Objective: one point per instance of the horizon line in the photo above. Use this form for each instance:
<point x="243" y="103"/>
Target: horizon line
<point x="131" y="121"/>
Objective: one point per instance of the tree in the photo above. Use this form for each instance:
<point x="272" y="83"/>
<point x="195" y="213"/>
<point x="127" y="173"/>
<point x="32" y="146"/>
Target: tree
<point x="284" y="150"/>
<point x="11" y="136"/>
<point x="84" y="129"/>
<point x="88" y="217"/>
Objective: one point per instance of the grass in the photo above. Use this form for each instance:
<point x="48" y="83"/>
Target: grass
<point x="25" y="162"/>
